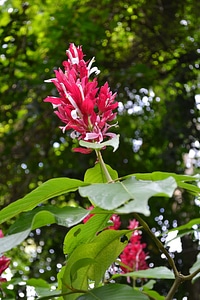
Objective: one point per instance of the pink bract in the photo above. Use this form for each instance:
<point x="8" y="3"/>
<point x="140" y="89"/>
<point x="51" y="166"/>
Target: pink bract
<point x="134" y="256"/>
<point x="114" y="218"/>
<point x="82" y="106"/>
<point x="4" y="262"/>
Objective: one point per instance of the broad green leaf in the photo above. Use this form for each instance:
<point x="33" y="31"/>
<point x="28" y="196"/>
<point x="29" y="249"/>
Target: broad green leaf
<point x="114" y="142"/>
<point x="195" y="267"/>
<point x="96" y="174"/>
<point x="41" y="216"/>
<point x="49" y="189"/>
<point x="158" y="273"/>
<point x="187" y="225"/>
<point x="42" y="288"/>
<point x="81" y="263"/>
<point x="38" y="282"/>
<point x="181" y="180"/>
<point x="44" y="215"/>
<point x="153" y="294"/>
<point x="180" y="235"/>
<point x="163" y="175"/>
<point x="114" y="291"/>
<point x="99" y="254"/>
<point x="130" y="195"/>
<point x="184" y="229"/>
<point x="11" y="241"/>
<point x="193" y="189"/>
<point x="85" y="233"/>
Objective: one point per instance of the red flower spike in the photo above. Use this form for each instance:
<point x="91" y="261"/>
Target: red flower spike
<point x="134" y="256"/>
<point x="114" y="218"/>
<point x="81" y="105"/>
<point x="4" y="262"/>
<point x="116" y="222"/>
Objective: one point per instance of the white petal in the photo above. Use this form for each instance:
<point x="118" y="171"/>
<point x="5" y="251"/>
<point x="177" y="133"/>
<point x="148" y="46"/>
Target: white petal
<point x="48" y="80"/>
<point x="74" y="114"/>
<point x="91" y="136"/>
<point x="55" y="105"/>
<point x="74" y="134"/>
<point x="94" y="70"/>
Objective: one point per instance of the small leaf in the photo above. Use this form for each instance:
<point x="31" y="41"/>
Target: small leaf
<point x="188" y="225"/>
<point x="114" y="142"/>
<point x="158" y="273"/>
<point x="96" y="174"/>
<point x="38" y="282"/>
<point x="114" y="291"/>
<point x="195" y="267"/>
<point x="149" y="285"/>
<point x="153" y="294"/>
<point x="184" y="230"/>
<point x="43" y="289"/>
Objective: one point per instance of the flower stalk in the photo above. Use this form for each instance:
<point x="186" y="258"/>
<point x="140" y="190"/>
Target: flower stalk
<point x="103" y="166"/>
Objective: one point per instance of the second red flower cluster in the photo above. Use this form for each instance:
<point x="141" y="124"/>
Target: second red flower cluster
<point x="133" y="257"/>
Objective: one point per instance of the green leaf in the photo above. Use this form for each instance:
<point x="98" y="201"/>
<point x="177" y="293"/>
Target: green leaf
<point x="96" y="174"/>
<point x="195" y="267"/>
<point x="85" y="233"/>
<point x="41" y="216"/>
<point x="193" y="189"/>
<point x="114" y="142"/>
<point x="149" y="285"/>
<point x="184" y="229"/>
<point x="38" y="282"/>
<point x="99" y="255"/>
<point x="11" y="241"/>
<point x="49" y="189"/>
<point x="181" y="180"/>
<point x="113" y="291"/>
<point x="42" y="288"/>
<point x="44" y="215"/>
<point x="158" y="273"/>
<point x="187" y="225"/>
<point x="163" y="175"/>
<point x="83" y="262"/>
<point x="147" y="289"/>
<point x="153" y="294"/>
<point x="115" y="196"/>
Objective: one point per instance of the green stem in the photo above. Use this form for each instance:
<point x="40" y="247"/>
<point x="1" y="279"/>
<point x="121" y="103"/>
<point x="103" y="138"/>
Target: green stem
<point x="158" y="243"/>
<point x="179" y="278"/>
<point x="103" y="166"/>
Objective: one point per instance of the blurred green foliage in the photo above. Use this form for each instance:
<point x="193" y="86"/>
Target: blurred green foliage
<point x="148" y="51"/>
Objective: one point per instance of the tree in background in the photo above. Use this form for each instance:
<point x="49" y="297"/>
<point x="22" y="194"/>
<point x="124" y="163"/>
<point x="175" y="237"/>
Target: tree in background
<point x="148" y="50"/>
